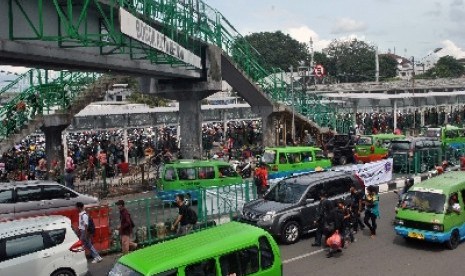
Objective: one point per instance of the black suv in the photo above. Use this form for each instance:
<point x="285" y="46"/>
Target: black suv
<point x="340" y="149"/>
<point x="289" y="208"/>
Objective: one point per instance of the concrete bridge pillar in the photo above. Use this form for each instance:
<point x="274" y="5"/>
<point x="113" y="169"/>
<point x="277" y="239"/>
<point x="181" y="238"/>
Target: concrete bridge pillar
<point x="54" y="144"/>
<point x="190" y="122"/>
<point x="269" y="125"/>
<point x="189" y="93"/>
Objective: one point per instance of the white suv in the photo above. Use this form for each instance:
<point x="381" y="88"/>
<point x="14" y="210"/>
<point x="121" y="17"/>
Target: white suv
<point x="42" y="246"/>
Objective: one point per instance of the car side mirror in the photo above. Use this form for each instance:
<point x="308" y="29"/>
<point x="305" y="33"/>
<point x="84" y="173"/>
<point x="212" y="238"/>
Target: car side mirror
<point x="67" y="196"/>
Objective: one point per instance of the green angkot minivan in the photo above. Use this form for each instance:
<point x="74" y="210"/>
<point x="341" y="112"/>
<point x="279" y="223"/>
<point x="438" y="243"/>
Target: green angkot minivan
<point x="433" y="210"/>
<point x="232" y="248"/>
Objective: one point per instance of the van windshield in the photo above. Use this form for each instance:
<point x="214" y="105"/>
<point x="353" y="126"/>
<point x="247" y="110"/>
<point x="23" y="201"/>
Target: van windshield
<point x="286" y="192"/>
<point x="423" y="202"/>
<point x="364" y="141"/>
<point x="269" y="156"/>
<point x="400" y="145"/>
<point x="433" y="132"/>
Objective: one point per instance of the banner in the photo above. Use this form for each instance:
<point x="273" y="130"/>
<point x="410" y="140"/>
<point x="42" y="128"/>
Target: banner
<point x="374" y="173"/>
<point x="138" y="29"/>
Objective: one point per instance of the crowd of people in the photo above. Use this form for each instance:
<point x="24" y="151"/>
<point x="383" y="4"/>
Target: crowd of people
<point x="338" y="223"/>
<point x="27" y="160"/>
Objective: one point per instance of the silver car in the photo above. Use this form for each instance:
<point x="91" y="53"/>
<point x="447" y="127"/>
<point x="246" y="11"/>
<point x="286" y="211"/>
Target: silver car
<point x="38" y="197"/>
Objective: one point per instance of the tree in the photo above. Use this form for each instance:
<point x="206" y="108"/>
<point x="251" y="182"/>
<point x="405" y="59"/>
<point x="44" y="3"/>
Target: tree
<point x="141" y="98"/>
<point x="446" y="67"/>
<point x="278" y="50"/>
<point x="387" y="67"/>
<point x="148" y="99"/>
<point x="351" y="61"/>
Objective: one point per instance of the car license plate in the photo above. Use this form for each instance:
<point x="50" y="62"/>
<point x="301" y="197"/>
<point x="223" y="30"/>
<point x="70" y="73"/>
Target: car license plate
<point x="416" y="235"/>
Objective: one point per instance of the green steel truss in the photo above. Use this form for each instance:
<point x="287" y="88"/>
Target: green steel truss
<point x="191" y="23"/>
<point x="46" y="92"/>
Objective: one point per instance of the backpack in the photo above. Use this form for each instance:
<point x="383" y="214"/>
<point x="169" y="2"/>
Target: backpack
<point x="191" y="216"/>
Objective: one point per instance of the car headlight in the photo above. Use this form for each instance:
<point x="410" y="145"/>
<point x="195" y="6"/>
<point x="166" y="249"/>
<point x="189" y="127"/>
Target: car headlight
<point x="438" y="227"/>
<point x="268" y="216"/>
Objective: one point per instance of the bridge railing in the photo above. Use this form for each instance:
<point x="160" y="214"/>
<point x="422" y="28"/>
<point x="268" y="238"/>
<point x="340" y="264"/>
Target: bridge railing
<point x="44" y="97"/>
<point x="184" y="20"/>
<point x="191" y="23"/>
<point x="153" y="218"/>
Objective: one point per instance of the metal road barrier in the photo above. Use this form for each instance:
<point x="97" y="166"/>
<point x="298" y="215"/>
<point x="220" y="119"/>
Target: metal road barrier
<point x="153" y="218"/>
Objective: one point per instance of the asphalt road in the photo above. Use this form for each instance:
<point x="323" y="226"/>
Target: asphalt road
<point x="386" y="254"/>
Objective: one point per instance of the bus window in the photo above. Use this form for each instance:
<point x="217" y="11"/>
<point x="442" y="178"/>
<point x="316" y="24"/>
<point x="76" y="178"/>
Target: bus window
<point x="282" y="158"/>
<point x="242" y="262"/>
<point x="205" y="268"/>
<point x="451" y="133"/>
<point x="226" y="171"/>
<point x="269" y="157"/>
<point x="170" y="174"/>
<point x="319" y="155"/>
<point x="306" y="157"/>
<point x="172" y="272"/>
<point x="206" y="172"/>
<point x="186" y="173"/>
<point x="266" y="253"/>
<point x="293" y="157"/>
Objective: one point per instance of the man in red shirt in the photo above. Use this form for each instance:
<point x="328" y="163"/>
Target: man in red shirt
<point x="125" y="229"/>
<point x="261" y="179"/>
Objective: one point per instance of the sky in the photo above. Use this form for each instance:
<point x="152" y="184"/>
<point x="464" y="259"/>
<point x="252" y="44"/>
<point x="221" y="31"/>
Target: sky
<point x="409" y="28"/>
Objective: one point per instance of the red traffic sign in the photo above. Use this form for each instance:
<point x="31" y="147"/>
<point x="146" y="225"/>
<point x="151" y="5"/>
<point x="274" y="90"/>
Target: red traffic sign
<point x="319" y="70"/>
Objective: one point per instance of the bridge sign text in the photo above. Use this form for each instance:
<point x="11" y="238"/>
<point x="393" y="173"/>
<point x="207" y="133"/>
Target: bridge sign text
<point x="138" y="29"/>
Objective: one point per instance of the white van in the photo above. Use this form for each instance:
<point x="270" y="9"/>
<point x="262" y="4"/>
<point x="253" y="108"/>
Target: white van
<point x="41" y="246"/>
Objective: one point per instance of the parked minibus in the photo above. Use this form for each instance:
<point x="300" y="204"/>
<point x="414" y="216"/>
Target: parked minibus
<point x="371" y="148"/>
<point x="286" y="161"/>
<point x="232" y="248"/>
<point x="433" y="210"/>
<point x="186" y="176"/>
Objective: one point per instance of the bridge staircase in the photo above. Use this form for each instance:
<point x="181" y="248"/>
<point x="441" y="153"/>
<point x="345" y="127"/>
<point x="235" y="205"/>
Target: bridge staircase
<point x="189" y="22"/>
<point x="50" y="97"/>
<point x="192" y="24"/>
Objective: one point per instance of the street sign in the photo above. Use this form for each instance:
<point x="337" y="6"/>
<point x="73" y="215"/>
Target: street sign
<point x="319" y="71"/>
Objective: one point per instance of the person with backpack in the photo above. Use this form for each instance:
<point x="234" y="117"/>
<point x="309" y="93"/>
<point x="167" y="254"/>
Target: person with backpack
<point x="186" y="216"/>
<point x="125" y="228"/>
<point x="86" y="230"/>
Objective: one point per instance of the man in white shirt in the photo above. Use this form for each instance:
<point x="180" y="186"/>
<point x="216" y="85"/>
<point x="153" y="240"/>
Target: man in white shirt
<point x="84" y="234"/>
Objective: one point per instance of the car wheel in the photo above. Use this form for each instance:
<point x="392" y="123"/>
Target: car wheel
<point x="63" y="272"/>
<point x="342" y="160"/>
<point x="454" y="240"/>
<point x="290" y="232"/>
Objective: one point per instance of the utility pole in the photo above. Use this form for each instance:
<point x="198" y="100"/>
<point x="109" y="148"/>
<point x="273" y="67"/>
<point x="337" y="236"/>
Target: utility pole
<point x="377" y="65"/>
<point x="312" y="63"/>
<point x="311" y="54"/>
<point x="413" y="75"/>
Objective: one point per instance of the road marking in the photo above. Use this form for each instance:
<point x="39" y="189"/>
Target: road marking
<point x="302" y="256"/>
